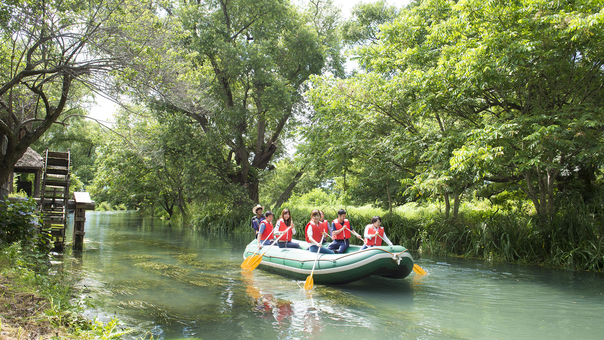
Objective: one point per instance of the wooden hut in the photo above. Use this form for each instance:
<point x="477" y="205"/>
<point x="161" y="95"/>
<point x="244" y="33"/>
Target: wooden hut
<point x="30" y="163"/>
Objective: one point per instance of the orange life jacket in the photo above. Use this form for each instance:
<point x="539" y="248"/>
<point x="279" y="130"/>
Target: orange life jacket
<point x="375" y="241"/>
<point x="317" y="232"/>
<point x="268" y="229"/>
<point x="337" y="226"/>
<point x="281" y="226"/>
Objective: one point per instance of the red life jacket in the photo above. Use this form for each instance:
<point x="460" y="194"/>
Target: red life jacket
<point x="316" y="232"/>
<point x="268" y="229"/>
<point x="376" y="241"/>
<point x="325" y="225"/>
<point x="281" y="226"/>
<point x="337" y="226"/>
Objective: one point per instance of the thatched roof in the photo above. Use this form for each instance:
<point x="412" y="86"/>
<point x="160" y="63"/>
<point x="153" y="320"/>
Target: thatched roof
<point x="30" y="160"/>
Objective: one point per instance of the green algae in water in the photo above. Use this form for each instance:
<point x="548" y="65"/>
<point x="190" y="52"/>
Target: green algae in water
<point x="139" y="257"/>
<point x="191" y="259"/>
<point x="209" y="281"/>
<point x="142" y="283"/>
<point x="200" y="283"/>
<point x="341" y="298"/>
<point x="136" y="304"/>
<point x="123" y="292"/>
<point x="157" y="266"/>
<point x="187" y="258"/>
<point x="176" y="273"/>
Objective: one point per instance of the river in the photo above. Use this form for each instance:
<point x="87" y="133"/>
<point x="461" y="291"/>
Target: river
<point x="171" y="282"/>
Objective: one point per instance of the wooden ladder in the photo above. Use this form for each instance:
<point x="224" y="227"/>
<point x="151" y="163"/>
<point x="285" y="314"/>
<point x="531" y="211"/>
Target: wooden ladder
<point x="55" y="195"/>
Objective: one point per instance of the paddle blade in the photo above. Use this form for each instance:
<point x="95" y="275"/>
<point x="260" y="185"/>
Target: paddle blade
<point x="254" y="262"/>
<point x="309" y="283"/>
<point x="418" y="270"/>
<point x="246" y="262"/>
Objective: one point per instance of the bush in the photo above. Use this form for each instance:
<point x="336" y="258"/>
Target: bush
<point x="19" y="222"/>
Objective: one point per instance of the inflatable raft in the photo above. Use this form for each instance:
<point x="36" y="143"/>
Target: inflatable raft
<point x="355" y="264"/>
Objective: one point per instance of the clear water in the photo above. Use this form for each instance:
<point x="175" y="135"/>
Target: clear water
<point x="170" y="282"/>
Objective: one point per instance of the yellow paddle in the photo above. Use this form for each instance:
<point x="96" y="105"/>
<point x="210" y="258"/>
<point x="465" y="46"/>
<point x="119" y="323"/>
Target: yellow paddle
<point x="247" y="260"/>
<point x="309" y="282"/>
<point x="255" y="260"/>
<point x="416" y="268"/>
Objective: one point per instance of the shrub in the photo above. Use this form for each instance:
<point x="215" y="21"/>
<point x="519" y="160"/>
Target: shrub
<point x="19" y="222"/>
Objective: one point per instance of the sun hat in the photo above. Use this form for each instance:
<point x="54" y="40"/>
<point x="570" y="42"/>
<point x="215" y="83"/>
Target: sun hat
<point x="258" y="206"/>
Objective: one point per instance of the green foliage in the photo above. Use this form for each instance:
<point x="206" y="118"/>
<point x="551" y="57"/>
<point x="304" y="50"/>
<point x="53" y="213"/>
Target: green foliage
<point x="363" y="28"/>
<point x="19" y="222"/>
<point x="316" y="197"/>
<point x="457" y="95"/>
<point x="274" y="183"/>
<point x="81" y="137"/>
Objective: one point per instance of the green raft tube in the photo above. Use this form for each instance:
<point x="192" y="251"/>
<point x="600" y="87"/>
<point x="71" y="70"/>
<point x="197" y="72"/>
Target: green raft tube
<point x="355" y="264"/>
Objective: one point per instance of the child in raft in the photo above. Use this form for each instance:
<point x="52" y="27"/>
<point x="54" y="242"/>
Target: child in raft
<point x="374" y="234"/>
<point x="285" y="227"/>
<point x="314" y="233"/>
<point x="265" y="230"/>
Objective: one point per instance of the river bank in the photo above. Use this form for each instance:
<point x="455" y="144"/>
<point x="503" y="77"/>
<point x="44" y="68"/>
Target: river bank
<point x="22" y="314"/>
<point x="37" y="302"/>
<point x="573" y="240"/>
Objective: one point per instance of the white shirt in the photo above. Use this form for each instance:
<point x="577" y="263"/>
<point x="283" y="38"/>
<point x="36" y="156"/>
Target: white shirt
<point x="367" y="235"/>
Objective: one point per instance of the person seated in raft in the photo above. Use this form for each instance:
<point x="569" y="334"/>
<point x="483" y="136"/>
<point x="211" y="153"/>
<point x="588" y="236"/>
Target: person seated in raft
<point x="314" y="232"/>
<point x="326" y="226"/>
<point x="374" y="234"/>
<point x="258" y="217"/>
<point x="285" y="227"/>
<point x="265" y="230"/>
<point x="341" y="233"/>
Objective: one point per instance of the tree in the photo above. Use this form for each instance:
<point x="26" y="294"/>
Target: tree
<point x="522" y="81"/>
<point x="257" y="57"/>
<point x="157" y="159"/>
<point x="46" y="66"/>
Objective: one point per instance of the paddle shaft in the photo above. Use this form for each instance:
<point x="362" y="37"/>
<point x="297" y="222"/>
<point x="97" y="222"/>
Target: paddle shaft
<point x="381" y="238"/>
<point x="275" y="241"/>
<point x="352" y="232"/>
<point x="252" y="258"/>
<point x="309" y="279"/>
<point x="244" y="263"/>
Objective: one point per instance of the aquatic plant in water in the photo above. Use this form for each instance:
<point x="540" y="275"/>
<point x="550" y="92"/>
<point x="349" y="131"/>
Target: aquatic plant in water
<point x="139" y="257"/>
<point x="341" y="298"/>
<point x="191" y="259"/>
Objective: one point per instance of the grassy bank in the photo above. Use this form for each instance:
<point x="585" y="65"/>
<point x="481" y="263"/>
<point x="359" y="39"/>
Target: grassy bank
<point x="37" y="302"/>
<point x="574" y="240"/>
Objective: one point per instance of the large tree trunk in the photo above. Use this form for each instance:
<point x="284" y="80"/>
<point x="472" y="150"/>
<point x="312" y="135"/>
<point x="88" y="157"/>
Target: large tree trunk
<point x="542" y="196"/>
<point x="456" y="203"/>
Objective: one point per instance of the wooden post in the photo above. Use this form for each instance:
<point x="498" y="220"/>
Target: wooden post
<point x="82" y="203"/>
